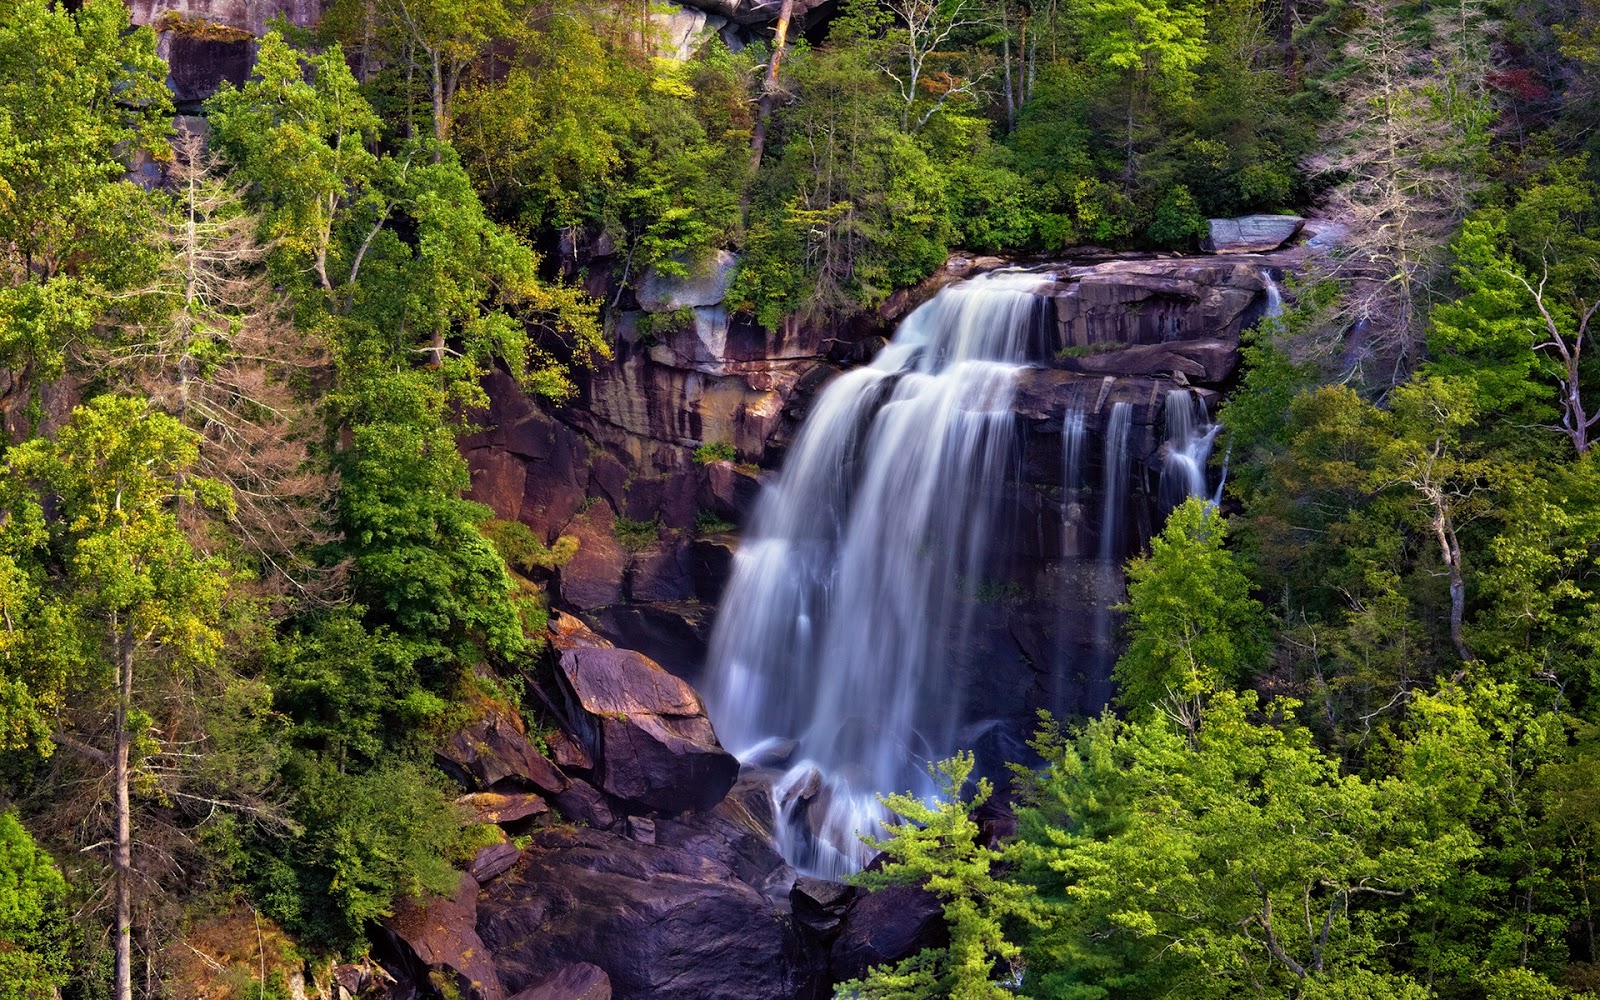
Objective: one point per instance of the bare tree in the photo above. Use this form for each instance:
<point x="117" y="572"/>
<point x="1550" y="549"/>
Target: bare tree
<point x="1567" y="349"/>
<point x="1405" y="149"/>
<point x="228" y="362"/>
<point x="919" y="44"/>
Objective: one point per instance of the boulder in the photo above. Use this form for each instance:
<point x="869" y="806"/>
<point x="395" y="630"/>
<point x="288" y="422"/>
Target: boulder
<point x="442" y="934"/>
<point x="663" y="922"/>
<point x="886" y="926"/>
<point x="731" y="491"/>
<point x="682" y="30"/>
<point x="1251" y="233"/>
<point x="495" y="753"/>
<point x="579" y="981"/>
<point x="706" y="284"/>
<point x="493" y="861"/>
<point x="502" y="807"/>
<point x="647" y="731"/>
<point x="820" y="906"/>
<point x="673" y="633"/>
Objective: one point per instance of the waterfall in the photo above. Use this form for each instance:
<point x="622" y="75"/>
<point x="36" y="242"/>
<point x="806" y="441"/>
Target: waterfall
<point x="1187" y="451"/>
<point x="1115" y="487"/>
<point x="1072" y="514"/>
<point x="852" y="592"/>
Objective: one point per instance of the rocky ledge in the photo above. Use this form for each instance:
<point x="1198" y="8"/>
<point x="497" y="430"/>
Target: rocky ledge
<point x="634" y="861"/>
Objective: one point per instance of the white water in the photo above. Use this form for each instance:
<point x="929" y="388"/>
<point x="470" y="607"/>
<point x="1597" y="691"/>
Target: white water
<point x="1072" y="513"/>
<point x="1190" y="438"/>
<point x="852" y="592"/>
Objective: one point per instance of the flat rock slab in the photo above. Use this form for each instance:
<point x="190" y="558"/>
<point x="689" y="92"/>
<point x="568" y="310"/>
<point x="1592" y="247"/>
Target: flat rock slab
<point x="1251" y="233"/>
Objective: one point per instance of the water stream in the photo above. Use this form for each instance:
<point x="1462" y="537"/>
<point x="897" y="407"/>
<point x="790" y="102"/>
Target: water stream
<point x="856" y="581"/>
<point x="848" y="613"/>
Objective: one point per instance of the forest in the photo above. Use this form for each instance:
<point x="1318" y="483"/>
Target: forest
<point x="1355" y="746"/>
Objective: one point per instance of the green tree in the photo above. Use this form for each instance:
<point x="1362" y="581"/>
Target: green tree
<point x="1234" y="860"/>
<point x="1143" y="42"/>
<point x="1193" y="627"/>
<point x="34" y="927"/>
<point x="122" y="593"/>
<point x="79" y="93"/>
<point x="940" y="848"/>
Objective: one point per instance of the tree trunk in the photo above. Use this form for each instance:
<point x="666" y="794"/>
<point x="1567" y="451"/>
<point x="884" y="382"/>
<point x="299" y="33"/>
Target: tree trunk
<point x="1127" y="168"/>
<point x="122" y="857"/>
<point x="758" y="139"/>
<point x="1450" y="551"/>
<point x="439" y="126"/>
<point x="1005" y="55"/>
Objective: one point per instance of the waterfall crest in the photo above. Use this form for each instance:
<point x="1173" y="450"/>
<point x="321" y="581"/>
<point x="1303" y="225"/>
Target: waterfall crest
<point x="852" y="591"/>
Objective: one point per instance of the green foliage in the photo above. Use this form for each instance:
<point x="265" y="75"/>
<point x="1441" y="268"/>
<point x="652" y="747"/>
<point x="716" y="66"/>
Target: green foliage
<point x="635" y="536"/>
<point x="34" y="921"/>
<point x="940" y="848"/>
<point x="523" y="551"/>
<point x="707" y="522"/>
<point x="419" y="562"/>
<point x="1177" y="222"/>
<point x="1233" y="858"/>
<point x="79" y="92"/>
<point x="715" y="451"/>
<point x="369" y="839"/>
<point x="1193" y="627"/>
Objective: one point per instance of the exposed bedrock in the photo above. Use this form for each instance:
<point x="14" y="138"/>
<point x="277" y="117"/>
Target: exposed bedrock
<point x="618" y="468"/>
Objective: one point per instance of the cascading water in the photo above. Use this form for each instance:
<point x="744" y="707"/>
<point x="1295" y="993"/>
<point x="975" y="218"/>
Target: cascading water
<point x="1190" y="437"/>
<point x="1115" y="465"/>
<point x="1072" y="513"/>
<point x="853" y="590"/>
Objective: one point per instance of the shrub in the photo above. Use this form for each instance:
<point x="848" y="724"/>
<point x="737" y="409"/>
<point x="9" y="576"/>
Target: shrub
<point x="715" y="451"/>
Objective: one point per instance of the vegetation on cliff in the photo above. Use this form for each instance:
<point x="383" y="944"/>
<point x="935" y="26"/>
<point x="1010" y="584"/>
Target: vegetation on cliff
<point x="243" y="597"/>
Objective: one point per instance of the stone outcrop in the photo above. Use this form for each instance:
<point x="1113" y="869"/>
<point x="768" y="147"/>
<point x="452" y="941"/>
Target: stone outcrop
<point x="647" y="729"/>
<point x="666" y="921"/>
<point x="1251" y="233"/>
<point x="579" y="981"/>
<point x="442" y="935"/>
<point x="886" y="926"/>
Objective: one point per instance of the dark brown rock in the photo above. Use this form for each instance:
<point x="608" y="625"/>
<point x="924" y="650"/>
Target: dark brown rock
<point x="583" y="803"/>
<point x="664" y="571"/>
<point x="673" y="633"/>
<point x="503" y="807"/>
<point x="646" y="730"/>
<point x="731" y="490"/>
<point x="820" y="905"/>
<point x="496" y="753"/>
<point x="593" y="578"/>
<point x="492" y="861"/>
<point x="664" y="923"/>
<point x="580" y="981"/>
<point x="568" y="754"/>
<point x="713" y="565"/>
<point x="886" y="926"/>
<point x="443" y="935"/>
